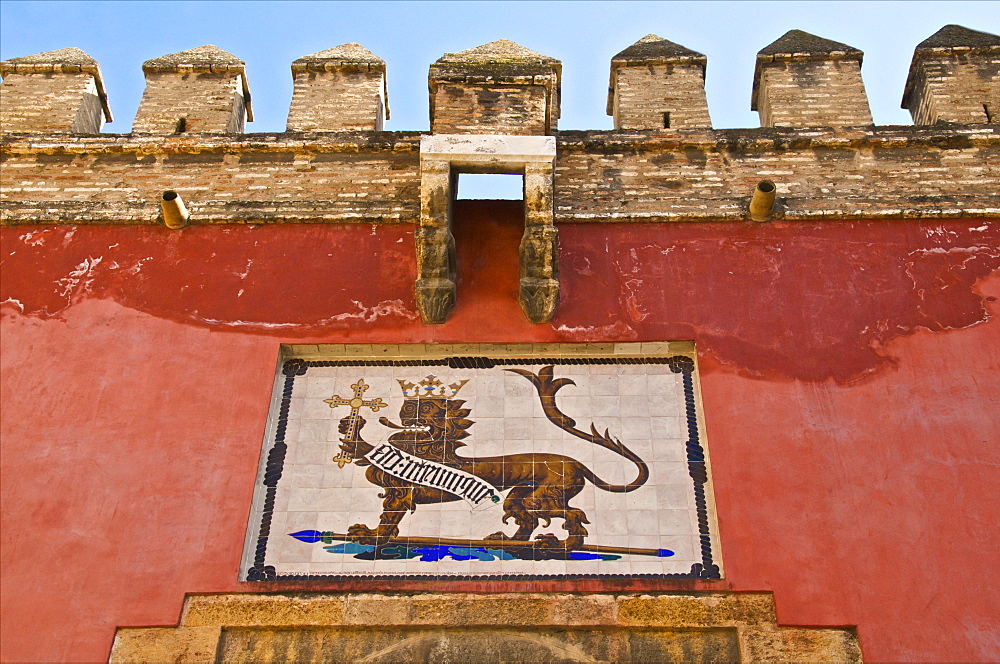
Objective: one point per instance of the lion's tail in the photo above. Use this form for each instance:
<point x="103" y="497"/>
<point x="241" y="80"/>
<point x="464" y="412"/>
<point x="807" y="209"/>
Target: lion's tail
<point x="616" y="446"/>
<point x="547" y="385"/>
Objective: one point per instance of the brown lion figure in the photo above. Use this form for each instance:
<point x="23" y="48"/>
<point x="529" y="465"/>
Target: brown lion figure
<point x="540" y="485"/>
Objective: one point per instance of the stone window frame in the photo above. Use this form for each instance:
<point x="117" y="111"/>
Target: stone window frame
<point x="442" y="158"/>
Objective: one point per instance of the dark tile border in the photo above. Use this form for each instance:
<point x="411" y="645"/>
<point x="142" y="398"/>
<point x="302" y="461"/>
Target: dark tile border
<point x="697" y="469"/>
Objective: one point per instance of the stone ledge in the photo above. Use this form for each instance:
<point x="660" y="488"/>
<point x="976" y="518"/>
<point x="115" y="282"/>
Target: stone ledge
<point x="944" y="136"/>
<point x="15" y="213"/>
<point x="142" y="143"/>
<point x="20" y="213"/>
<point x="474" y="619"/>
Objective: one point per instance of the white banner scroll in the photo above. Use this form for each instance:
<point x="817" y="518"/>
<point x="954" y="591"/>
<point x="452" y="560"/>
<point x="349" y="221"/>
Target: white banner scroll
<point x="477" y="491"/>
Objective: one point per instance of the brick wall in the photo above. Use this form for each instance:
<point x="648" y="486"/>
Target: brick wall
<point x="643" y="94"/>
<point x="813" y="93"/>
<point x="251" y="178"/>
<point x="208" y="102"/>
<point x="50" y="102"/>
<point x="887" y="172"/>
<point x="339" y="100"/>
<point x="489" y="109"/>
<point x="884" y="172"/>
<point x="956" y="90"/>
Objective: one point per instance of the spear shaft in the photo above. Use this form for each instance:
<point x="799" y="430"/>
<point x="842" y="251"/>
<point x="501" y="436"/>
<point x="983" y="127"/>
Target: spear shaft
<point x="503" y="544"/>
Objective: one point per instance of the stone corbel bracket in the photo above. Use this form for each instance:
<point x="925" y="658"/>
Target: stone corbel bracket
<point x="442" y="158"/>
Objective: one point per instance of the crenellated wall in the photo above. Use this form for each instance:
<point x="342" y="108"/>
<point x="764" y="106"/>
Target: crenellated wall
<point x="818" y="145"/>
<point x="254" y="178"/>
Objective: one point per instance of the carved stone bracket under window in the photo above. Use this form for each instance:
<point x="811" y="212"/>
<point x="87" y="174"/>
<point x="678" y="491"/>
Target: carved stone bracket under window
<point x="442" y="158"/>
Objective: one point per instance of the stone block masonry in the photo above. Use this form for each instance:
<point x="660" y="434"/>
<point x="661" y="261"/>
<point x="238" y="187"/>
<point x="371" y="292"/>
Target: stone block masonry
<point x="709" y="627"/>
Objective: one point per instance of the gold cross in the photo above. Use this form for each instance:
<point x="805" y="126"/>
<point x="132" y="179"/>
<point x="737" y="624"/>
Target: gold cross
<point x="356" y="403"/>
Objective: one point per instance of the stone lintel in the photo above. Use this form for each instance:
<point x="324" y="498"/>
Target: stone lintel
<point x="493" y="152"/>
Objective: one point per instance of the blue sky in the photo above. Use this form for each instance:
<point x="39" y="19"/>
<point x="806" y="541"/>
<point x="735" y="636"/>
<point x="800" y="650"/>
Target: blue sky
<point x="411" y="35"/>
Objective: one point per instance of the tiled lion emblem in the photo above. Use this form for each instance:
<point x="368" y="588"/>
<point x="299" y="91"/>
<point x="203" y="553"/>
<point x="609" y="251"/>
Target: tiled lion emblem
<point x="540" y="486"/>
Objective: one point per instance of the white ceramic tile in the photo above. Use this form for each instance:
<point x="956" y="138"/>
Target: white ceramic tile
<point x="517" y="428"/>
<point x="312" y="431"/>
<point x="310" y="453"/>
<point x="636" y="406"/>
<point x="674" y="521"/>
<point x="309" y="476"/>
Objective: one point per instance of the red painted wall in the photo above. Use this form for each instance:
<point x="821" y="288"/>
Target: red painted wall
<point x="849" y="376"/>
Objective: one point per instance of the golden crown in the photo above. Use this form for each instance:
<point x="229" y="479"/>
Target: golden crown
<point x="430" y="387"/>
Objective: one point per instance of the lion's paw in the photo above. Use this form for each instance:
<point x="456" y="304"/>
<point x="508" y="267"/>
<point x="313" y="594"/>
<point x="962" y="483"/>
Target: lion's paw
<point x="547" y="540"/>
<point x="362" y="534"/>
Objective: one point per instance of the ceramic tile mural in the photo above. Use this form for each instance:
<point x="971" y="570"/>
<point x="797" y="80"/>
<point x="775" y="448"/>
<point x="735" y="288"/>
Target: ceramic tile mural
<point x="483" y="467"/>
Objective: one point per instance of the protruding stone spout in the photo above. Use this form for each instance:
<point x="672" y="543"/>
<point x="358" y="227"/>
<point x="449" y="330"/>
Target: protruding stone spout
<point x="175" y="213"/>
<point x="762" y="201"/>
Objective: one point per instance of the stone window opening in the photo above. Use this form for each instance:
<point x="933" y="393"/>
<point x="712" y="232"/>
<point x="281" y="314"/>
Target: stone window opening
<point x="490" y="186"/>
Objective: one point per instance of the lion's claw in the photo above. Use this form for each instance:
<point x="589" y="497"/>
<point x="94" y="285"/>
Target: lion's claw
<point x="547" y="540"/>
<point x="362" y="534"/>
